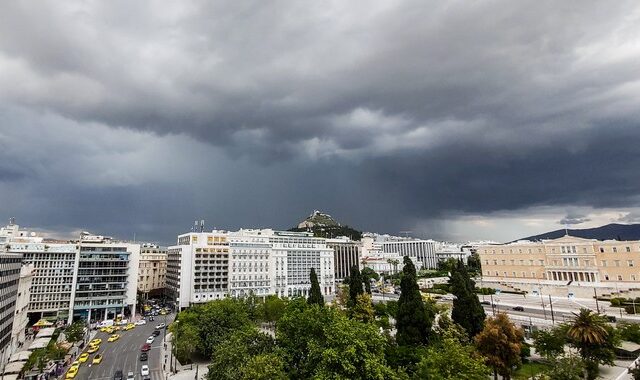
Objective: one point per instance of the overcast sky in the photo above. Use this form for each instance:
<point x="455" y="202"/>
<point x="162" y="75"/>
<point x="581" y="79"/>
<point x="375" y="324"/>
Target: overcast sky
<point x="455" y="120"/>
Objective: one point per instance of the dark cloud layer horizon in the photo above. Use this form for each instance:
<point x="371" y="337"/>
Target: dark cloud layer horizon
<point x="409" y="115"/>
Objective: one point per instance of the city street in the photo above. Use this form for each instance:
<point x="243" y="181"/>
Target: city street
<point x="124" y="354"/>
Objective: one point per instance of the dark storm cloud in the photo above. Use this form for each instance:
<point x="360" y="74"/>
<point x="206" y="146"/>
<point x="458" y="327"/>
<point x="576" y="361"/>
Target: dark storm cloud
<point x="381" y="113"/>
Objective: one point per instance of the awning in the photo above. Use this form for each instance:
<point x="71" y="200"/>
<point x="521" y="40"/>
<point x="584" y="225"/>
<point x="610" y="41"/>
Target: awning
<point x="14" y="367"/>
<point x="46" y="332"/>
<point x="39" y="343"/>
<point x="42" y="323"/>
<point x="21" y="356"/>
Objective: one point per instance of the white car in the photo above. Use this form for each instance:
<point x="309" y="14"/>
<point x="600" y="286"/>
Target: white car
<point x="131" y="376"/>
<point x="141" y="322"/>
<point x="150" y="339"/>
<point x="160" y="326"/>
<point x="144" y="371"/>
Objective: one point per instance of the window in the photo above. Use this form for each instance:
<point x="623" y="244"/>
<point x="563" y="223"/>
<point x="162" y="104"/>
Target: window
<point x="630" y="263"/>
<point x="541" y="262"/>
<point x="628" y="249"/>
<point x="617" y="262"/>
<point x="615" y="250"/>
<point x="533" y="274"/>
<point x="587" y="262"/>
<point x="604" y="263"/>
<point x="619" y="277"/>
<point x="601" y="250"/>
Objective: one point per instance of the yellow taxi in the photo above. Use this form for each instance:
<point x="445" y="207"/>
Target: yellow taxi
<point x="83" y="357"/>
<point x="104" y="329"/>
<point x="93" y="348"/>
<point x="115" y="328"/>
<point x="71" y="373"/>
<point x="113" y="338"/>
<point x="96" y="342"/>
<point x="97" y="359"/>
<point x="75" y="364"/>
<point x="129" y="327"/>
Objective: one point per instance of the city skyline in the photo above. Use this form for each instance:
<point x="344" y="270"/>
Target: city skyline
<point x="453" y="121"/>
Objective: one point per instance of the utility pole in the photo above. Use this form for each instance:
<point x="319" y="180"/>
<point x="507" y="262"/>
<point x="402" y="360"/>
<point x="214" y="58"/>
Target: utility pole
<point x="553" y="321"/>
<point x="596" y="295"/>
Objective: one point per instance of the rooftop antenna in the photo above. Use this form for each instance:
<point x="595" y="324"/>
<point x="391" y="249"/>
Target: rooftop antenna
<point x="195" y="226"/>
<point x="12" y="221"/>
<point x="566" y="229"/>
<point x="201" y="225"/>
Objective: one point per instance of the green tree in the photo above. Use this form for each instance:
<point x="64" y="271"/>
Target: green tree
<point x="231" y="355"/>
<point x="273" y="309"/>
<point x="367" y="274"/>
<point x="566" y="368"/>
<point x="467" y="310"/>
<point x="186" y="342"/>
<point x="413" y="322"/>
<point x="363" y="309"/>
<point x="629" y="331"/>
<point x="355" y="285"/>
<point x="550" y="343"/>
<point x="451" y="360"/>
<point x="322" y="343"/>
<point x="75" y="332"/>
<point x="474" y="263"/>
<point x="594" y="339"/>
<point x="315" y="295"/>
<point x="500" y="342"/>
<point x="264" y="367"/>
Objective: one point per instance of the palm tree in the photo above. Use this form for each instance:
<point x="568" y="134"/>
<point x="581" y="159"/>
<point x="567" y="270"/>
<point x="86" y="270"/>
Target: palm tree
<point x="588" y="333"/>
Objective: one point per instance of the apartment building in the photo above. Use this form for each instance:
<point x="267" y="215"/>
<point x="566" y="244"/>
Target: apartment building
<point x="205" y="266"/>
<point x="198" y="268"/>
<point x="566" y="260"/>
<point x="346" y="253"/>
<point x="422" y="252"/>
<point x="10" y="264"/>
<point x="107" y="277"/>
<point x="21" y="319"/>
<point x="152" y="270"/>
<point x="92" y="278"/>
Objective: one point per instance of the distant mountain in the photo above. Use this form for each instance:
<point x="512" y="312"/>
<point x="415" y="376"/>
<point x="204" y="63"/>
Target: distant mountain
<point x="611" y="231"/>
<point x="323" y="225"/>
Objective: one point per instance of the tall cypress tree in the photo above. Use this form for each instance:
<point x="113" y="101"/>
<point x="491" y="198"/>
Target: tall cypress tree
<point x="355" y="285"/>
<point x="413" y="322"/>
<point x="467" y="310"/>
<point x="315" y="295"/>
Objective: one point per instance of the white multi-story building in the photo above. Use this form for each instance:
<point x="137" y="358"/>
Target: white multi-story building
<point x="21" y="319"/>
<point x="205" y="266"/>
<point x="152" y="270"/>
<point x="198" y="268"/>
<point x="94" y="277"/>
<point x="10" y="264"/>
<point x="346" y="254"/>
<point x="446" y="251"/>
<point x="422" y="252"/>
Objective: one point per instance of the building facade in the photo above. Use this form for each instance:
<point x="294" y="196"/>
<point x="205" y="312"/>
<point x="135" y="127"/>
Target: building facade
<point x="107" y="277"/>
<point x="422" y="252"/>
<point x="198" y="268"/>
<point x="152" y="270"/>
<point x="566" y="260"/>
<point x="205" y="266"/>
<point x="21" y="319"/>
<point x="10" y="264"/>
<point x="346" y="253"/>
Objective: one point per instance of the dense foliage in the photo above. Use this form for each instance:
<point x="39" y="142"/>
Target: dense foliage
<point x="315" y="295"/>
<point x="413" y="320"/>
<point x="467" y="310"/>
<point x="75" y="332"/>
<point x="500" y="341"/>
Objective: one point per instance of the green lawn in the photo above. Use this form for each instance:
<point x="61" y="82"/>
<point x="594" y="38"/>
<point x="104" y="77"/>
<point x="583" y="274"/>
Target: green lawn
<point x="529" y="369"/>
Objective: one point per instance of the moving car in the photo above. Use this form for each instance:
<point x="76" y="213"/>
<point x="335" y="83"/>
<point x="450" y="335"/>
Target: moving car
<point x="161" y="326"/>
<point x="95" y="342"/>
<point x="113" y="338"/>
<point x="97" y="359"/>
<point x="93" y="348"/>
<point x="155" y="332"/>
<point x="145" y="347"/>
<point x="151" y="339"/>
<point x="131" y="376"/>
<point x="144" y="371"/>
<point x="83" y="357"/>
<point x="141" y="322"/>
<point x="518" y="308"/>
<point x="71" y="373"/>
<point x="144" y="357"/>
<point x="117" y="375"/>
<point x="129" y="327"/>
